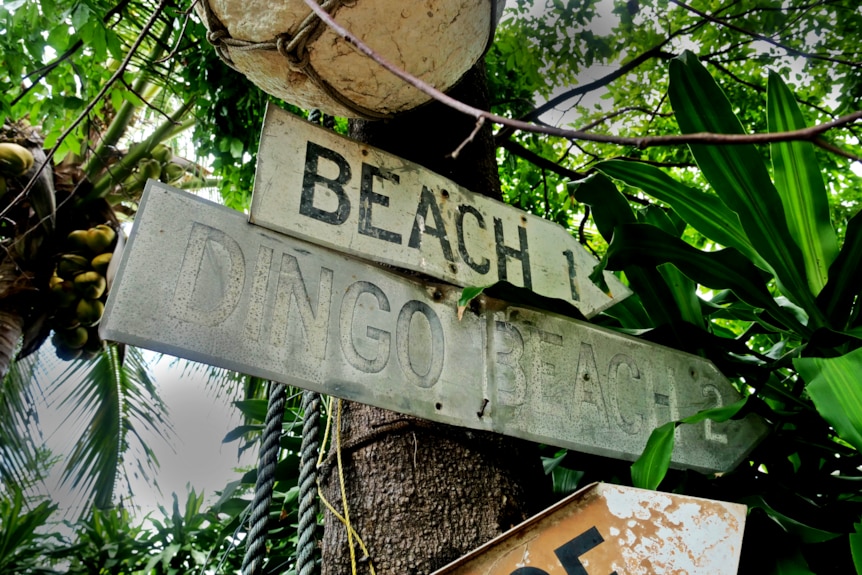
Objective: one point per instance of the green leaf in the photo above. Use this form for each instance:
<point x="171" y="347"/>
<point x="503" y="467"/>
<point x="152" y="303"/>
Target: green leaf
<point x="681" y="289"/>
<point x="703" y="211"/>
<point x="551" y="463"/>
<point x="792" y="562"/>
<point x="241" y="431"/>
<point x="833" y="385"/>
<point x="738" y="176"/>
<point x="611" y="210"/>
<point x="252" y="409"/>
<point x="717" y="414"/>
<point x="113" y="401"/>
<point x="609" y="207"/>
<point x="468" y="294"/>
<point x="845" y="281"/>
<point x="236" y="148"/>
<point x="644" y="244"/>
<point x="651" y="467"/>
<point x="805" y="533"/>
<point x="80" y="16"/>
<point x="856" y="547"/>
<point x="566" y="480"/>
<point x="800" y="185"/>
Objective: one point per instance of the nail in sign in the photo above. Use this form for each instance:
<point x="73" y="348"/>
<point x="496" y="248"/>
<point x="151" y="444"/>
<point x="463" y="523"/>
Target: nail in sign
<point x="321" y="187"/>
<point x="613" y="530"/>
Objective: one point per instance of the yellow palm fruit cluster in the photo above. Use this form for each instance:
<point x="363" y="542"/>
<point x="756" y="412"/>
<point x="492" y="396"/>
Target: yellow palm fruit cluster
<point x="15" y="161"/>
<point x="160" y="165"/>
<point x="79" y="289"/>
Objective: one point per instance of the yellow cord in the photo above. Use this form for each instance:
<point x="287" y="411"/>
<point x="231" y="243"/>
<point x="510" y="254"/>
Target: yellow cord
<point x="350" y="529"/>
<point x="325" y="431"/>
<point x="343" y="489"/>
<point x="344" y="519"/>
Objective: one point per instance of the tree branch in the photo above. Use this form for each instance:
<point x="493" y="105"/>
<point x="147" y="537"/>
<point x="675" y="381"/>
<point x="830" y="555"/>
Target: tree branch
<point x="654" y="52"/>
<point x="763" y="38"/>
<point x="806" y="134"/>
<point x="540" y="161"/>
<point x="610" y="115"/>
<point x="829" y="147"/>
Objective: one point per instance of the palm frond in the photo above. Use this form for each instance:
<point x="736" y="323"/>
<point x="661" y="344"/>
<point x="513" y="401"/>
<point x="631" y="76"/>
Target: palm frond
<point x="114" y="405"/>
<point x="21" y="464"/>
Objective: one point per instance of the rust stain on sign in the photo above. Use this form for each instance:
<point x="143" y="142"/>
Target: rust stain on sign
<point x="608" y="529"/>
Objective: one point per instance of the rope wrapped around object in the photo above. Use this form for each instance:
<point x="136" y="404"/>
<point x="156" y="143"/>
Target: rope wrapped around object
<point x="293" y="46"/>
<point x="256" y="542"/>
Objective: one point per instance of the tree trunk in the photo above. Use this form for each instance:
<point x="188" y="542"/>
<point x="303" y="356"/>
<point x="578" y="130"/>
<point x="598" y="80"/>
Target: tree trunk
<point x="11" y="328"/>
<point x="422" y="494"/>
<point x="12" y="311"/>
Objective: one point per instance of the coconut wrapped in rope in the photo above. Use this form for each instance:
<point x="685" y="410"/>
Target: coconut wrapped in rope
<point x="284" y="48"/>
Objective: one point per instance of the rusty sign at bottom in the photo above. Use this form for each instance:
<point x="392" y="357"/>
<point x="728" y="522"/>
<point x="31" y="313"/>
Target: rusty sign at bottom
<point x="608" y="529"/>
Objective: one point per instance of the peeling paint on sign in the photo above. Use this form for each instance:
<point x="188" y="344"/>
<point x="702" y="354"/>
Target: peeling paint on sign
<point x="609" y="529"/>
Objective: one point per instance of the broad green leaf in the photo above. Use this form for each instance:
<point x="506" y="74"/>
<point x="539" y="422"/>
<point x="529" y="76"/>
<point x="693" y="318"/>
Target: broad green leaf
<point x="566" y="480"/>
<point x="681" y="288"/>
<point x="845" y="281"/>
<point x="609" y="208"/>
<point x="856" y="547"/>
<point x="468" y="294"/>
<point x="551" y="463"/>
<point x="630" y="313"/>
<point x="241" y="431"/>
<point x="833" y="385"/>
<point x="800" y="185"/>
<point x="738" y="175"/>
<point x="253" y="409"/>
<point x="643" y="244"/>
<point x="792" y="562"/>
<point x="703" y="211"/>
<point x="717" y="414"/>
<point x="683" y="291"/>
<point x="656" y="297"/>
<point x="805" y="533"/>
<point x="651" y="467"/>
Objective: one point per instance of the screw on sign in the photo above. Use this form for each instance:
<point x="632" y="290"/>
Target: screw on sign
<point x="613" y="530"/>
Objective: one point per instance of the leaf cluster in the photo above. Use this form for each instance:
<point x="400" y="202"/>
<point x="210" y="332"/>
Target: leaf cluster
<point x="772" y="300"/>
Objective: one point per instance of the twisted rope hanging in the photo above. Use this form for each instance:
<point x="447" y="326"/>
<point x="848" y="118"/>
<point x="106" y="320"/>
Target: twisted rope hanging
<point x="308" y="483"/>
<point x="309" y="449"/>
<point x="256" y="543"/>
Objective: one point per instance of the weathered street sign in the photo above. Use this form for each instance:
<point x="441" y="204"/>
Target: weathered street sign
<point x="609" y="529"/>
<point x="318" y="186"/>
<point x="198" y="281"/>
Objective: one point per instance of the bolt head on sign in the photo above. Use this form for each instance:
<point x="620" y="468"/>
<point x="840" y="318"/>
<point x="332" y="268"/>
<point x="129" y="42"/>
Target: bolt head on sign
<point x="304" y="62"/>
<point x="614" y="530"/>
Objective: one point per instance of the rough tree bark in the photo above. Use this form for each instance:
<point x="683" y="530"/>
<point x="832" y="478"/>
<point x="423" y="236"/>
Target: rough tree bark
<point x="422" y="494"/>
